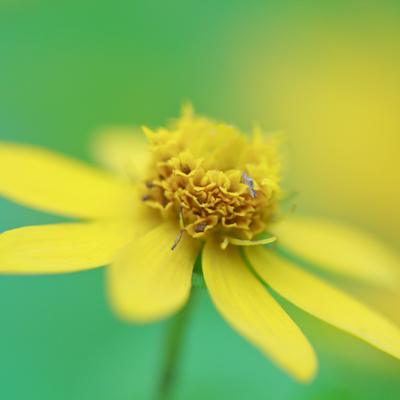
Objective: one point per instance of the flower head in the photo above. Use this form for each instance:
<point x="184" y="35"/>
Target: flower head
<point x="197" y="189"/>
<point x="200" y="173"/>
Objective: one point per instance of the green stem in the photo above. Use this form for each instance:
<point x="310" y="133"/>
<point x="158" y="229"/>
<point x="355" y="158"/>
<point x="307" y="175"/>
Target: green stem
<point x="174" y="341"/>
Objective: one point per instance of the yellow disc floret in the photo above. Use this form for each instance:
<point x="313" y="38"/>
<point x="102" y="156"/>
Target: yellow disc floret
<point x="212" y="178"/>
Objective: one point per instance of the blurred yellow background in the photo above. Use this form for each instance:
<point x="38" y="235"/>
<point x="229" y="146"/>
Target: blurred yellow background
<point x="330" y="77"/>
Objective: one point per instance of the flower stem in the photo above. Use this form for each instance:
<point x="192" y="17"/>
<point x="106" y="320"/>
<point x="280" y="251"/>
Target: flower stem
<point x="174" y="341"/>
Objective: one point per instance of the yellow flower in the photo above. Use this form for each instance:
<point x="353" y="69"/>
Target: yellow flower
<point x="203" y="189"/>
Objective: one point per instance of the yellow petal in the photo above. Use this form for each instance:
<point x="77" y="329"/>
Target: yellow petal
<point x="148" y="280"/>
<point x="252" y="311"/>
<point x="324" y="301"/>
<point x="51" y="182"/>
<point x="341" y="249"/>
<point x="124" y="150"/>
<point x="64" y="247"/>
<point x="240" y="242"/>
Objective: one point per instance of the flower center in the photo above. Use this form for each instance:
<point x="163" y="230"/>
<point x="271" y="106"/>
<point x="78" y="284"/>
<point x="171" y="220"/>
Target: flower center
<point x="212" y="178"/>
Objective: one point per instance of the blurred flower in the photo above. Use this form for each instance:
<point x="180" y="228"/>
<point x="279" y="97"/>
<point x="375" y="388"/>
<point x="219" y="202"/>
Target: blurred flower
<point x="199" y="189"/>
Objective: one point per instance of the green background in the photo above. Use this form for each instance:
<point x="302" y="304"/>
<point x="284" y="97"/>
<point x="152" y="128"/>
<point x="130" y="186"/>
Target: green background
<point x="68" y="68"/>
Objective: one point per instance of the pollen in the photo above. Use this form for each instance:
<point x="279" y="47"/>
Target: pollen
<point x="212" y="178"/>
